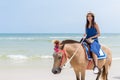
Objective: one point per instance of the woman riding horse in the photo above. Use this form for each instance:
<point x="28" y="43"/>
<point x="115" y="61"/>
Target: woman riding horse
<point x="76" y="53"/>
<point x="92" y="32"/>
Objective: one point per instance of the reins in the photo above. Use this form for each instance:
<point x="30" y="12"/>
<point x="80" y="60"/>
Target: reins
<point x="66" y="64"/>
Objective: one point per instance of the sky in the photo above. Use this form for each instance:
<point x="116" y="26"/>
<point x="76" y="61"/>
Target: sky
<point x="57" y="16"/>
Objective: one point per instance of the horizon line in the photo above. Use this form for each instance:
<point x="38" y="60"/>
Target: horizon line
<point x="49" y="33"/>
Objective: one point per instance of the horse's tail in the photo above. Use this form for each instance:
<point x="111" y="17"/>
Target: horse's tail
<point x="105" y="70"/>
<point x="110" y="59"/>
<point x="110" y="64"/>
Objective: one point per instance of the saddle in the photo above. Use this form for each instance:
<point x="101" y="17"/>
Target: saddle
<point x="86" y="46"/>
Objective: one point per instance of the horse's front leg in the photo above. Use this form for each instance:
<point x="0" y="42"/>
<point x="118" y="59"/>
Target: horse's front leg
<point x="80" y="75"/>
<point x="77" y="74"/>
<point x="83" y="74"/>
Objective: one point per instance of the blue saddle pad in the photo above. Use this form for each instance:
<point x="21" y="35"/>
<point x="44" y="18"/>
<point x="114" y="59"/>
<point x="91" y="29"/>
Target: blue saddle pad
<point x="101" y="52"/>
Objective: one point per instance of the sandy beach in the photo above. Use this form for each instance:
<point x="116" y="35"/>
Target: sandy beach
<point x="37" y="72"/>
<point x="29" y="57"/>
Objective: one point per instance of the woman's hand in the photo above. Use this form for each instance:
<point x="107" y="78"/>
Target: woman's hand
<point x="84" y="35"/>
<point x="90" y="40"/>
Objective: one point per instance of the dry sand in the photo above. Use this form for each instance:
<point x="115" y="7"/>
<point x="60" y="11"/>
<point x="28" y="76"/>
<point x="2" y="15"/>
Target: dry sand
<point x="35" y="72"/>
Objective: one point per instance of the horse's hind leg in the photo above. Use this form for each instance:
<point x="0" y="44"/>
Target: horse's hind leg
<point x="105" y="73"/>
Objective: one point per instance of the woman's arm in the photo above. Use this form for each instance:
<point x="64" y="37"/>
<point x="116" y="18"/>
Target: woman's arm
<point x="98" y="31"/>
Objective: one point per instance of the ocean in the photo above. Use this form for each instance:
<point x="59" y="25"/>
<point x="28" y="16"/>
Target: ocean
<point x="21" y="47"/>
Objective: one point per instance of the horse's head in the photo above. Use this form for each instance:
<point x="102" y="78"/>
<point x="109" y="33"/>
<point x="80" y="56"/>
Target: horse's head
<point x="60" y="58"/>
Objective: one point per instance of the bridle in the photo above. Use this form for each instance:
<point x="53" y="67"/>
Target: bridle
<point x="64" y="55"/>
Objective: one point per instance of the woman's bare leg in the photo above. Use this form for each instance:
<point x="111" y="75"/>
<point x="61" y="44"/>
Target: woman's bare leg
<point x="95" y="59"/>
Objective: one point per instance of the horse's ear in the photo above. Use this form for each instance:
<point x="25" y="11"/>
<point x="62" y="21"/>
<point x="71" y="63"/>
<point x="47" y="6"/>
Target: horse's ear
<point x="55" y="42"/>
<point x="56" y="45"/>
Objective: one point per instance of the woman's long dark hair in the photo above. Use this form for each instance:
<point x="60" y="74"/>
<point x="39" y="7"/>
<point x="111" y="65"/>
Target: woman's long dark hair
<point x="93" y="20"/>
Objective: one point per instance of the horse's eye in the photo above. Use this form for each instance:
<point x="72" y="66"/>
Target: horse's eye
<point x="59" y="57"/>
<point x="54" y="55"/>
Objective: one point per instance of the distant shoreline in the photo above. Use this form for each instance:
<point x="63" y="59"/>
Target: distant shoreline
<point x="53" y="33"/>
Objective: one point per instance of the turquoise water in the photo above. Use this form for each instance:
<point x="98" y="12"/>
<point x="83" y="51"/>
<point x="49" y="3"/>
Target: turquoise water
<point x="37" y="46"/>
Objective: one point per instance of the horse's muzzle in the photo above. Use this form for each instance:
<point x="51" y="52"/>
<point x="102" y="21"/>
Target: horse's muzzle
<point x="56" y="70"/>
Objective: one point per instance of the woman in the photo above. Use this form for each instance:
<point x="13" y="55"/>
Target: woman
<point x="92" y="33"/>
